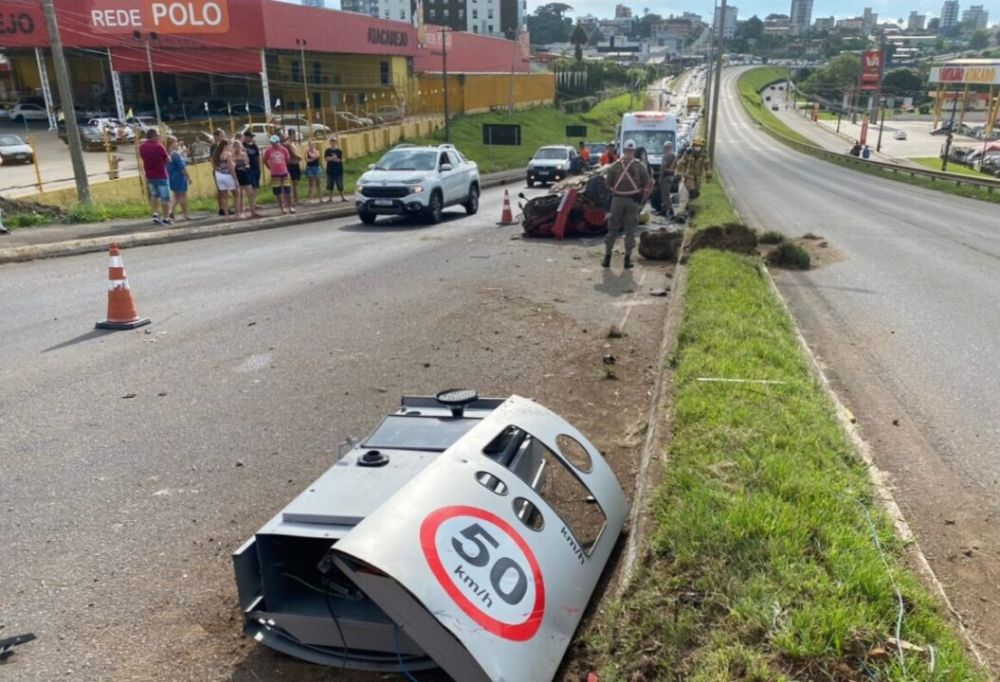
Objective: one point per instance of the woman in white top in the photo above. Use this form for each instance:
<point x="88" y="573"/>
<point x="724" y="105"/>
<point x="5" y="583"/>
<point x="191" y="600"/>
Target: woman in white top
<point x="225" y="175"/>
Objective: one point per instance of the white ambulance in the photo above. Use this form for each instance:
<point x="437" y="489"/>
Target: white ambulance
<point x="649" y="130"/>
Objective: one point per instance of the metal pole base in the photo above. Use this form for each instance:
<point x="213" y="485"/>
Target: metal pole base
<point x="104" y="324"/>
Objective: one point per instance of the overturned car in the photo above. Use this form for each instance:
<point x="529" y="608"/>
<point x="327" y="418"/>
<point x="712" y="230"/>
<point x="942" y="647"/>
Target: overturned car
<point x="464" y="533"/>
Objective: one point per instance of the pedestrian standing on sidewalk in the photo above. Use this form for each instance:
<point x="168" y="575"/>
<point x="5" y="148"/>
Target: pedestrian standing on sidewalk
<point x="668" y="168"/>
<point x="179" y="178"/>
<point x="334" y="158"/>
<point x="225" y="176"/>
<point x="154" y="166"/>
<point x="584" y="156"/>
<point x="253" y="157"/>
<point x="241" y="163"/>
<point x="856" y="149"/>
<point x="294" y="163"/>
<point x="218" y="138"/>
<point x="313" y="171"/>
<point x="866" y="153"/>
<point x="630" y="184"/>
<point x="276" y="158"/>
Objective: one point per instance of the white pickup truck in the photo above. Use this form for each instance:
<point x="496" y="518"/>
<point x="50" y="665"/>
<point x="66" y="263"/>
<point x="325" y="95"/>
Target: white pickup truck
<point x="412" y="180"/>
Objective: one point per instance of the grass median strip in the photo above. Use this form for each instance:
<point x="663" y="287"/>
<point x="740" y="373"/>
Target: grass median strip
<point x="769" y="558"/>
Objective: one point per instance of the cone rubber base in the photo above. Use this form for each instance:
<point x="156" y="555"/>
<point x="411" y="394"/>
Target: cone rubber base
<point x="104" y="324"/>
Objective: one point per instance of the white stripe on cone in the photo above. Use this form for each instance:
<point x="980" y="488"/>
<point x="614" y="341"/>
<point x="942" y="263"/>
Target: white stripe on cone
<point x="118" y="284"/>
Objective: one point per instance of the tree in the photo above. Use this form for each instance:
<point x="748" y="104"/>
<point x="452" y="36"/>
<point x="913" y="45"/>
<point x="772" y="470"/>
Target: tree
<point x="979" y="40"/>
<point x="596" y="37"/>
<point x="579" y="38"/>
<point x="836" y="78"/>
<point x="752" y="28"/>
<point x="645" y="25"/>
<point x="902" y="82"/>
<point x="549" y="25"/>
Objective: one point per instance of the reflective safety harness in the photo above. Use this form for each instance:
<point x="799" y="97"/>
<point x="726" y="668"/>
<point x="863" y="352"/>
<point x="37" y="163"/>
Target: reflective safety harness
<point x="616" y="190"/>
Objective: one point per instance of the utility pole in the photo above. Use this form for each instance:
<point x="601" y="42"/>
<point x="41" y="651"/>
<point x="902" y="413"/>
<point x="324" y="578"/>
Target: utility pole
<point x="305" y="80"/>
<point x="951" y="133"/>
<point x="718" y="83"/>
<point x="444" y="77"/>
<point x="152" y="86"/>
<point x="66" y="99"/>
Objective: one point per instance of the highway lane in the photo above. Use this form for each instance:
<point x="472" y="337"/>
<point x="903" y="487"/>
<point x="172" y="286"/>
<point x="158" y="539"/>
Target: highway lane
<point x="133" y="463"/>
<point x="907" y="325"/>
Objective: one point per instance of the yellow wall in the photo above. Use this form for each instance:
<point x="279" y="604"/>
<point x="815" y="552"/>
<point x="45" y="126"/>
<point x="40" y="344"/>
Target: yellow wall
<point x="203" y="183"/>
<point x="475" y="93"/>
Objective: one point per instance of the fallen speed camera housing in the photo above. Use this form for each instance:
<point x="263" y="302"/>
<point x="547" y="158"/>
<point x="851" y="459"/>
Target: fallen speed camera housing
<point x="474" y="545"/>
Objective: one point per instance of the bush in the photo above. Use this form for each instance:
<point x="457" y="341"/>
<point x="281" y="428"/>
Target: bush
<point x="790" y="256"/>
<point x="26" y="220"/>
<point x="87" y="213"/>
<point x="924" y="109"/>
<point x="771" y="237"/>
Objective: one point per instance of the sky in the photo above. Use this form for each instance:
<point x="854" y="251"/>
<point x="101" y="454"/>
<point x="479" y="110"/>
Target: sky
<point x="886" y="9"/>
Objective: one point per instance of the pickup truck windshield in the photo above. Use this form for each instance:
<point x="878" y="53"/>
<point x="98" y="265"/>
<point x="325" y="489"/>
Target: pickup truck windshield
<point x="408" y="159"/>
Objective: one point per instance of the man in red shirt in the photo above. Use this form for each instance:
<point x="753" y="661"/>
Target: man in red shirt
<point x="154" y="166"/>
<point x="276" y="158"/>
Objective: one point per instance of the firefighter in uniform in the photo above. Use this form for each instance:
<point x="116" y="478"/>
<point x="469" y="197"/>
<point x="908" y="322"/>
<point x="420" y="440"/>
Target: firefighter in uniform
<point x="630" y="183"/>
<point x="693" y="165"/>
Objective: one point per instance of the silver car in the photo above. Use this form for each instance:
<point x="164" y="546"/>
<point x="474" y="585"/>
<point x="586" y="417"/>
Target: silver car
<point x="15" y="150"/>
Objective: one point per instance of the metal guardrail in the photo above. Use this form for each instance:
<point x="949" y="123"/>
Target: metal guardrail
<point x="813" y="150"/>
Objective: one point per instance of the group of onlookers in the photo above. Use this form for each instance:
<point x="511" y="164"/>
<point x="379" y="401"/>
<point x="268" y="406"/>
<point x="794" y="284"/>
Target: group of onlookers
<point x="238" y="166"/>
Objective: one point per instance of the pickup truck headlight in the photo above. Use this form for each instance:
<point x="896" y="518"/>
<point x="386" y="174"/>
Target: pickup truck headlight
<point x="362" y="182"/>
<point x="559" y="166"/>
<point x="416" y="189"/>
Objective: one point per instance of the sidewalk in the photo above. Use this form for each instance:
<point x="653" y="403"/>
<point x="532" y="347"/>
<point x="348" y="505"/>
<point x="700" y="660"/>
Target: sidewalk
<point x="32" y="243"/>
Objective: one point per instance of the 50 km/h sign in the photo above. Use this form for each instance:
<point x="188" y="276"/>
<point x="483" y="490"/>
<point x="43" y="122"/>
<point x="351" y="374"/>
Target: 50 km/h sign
<point x="487" y="569"/>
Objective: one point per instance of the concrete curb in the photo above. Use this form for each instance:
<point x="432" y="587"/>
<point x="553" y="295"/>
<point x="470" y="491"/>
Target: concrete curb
<point x="72" y="247"/>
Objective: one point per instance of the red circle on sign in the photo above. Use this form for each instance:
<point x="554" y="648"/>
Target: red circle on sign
<point x="518" y="632"/>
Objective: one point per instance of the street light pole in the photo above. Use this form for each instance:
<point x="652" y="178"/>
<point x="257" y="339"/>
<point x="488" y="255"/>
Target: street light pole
<point x="305" y="77"/>
<point x="718" y="82"/>
<point x="951" y="133"/>
<point x="152" y="85"/>
<point x="66" y="98"/>
<point x="444" y="77"/>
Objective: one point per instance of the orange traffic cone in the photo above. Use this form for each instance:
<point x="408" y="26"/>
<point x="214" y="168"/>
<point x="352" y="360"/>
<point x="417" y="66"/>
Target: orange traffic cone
<point x="506" y="218"/>
<point x="121" y="307"/>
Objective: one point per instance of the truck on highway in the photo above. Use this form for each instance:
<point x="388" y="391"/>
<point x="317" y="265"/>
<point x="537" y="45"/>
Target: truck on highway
<point x="649" y="130"/>
<point x="694" y="102"/>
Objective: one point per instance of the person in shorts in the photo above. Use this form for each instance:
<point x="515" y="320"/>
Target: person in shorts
<point x="241" y="162"/>
<point x="222" y="197"/>
<point x="313" y="170"/>
<point x="334" y="158"/>
<point x="276" y="157"/>
<point x="294" y="163"/>
<point x="225" y="176"/>
<point x="154" y="166"/>
<point x="179" y="179"/>
<point x="253" y="169"/>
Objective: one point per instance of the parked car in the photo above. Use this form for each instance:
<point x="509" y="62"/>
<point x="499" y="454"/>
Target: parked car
<point x="349" y="121"/>
<point x="302" y="127"/>
<point x="943" y="129"/>
<point x="422" y="181"/>
<point x="388" y="114"/>
<point x="116" y="129"/>
<point x="261" y="133"/>
<point x="4" y="112"/>
<point x="551" y="164"/>
<point x="92" y="138"/>
<point x="27" y="111"/>
<point x="14" y="149"/>
<point x="775" y="107"/>
<point x="899" y="135"/>
<point x="142" y="124"/>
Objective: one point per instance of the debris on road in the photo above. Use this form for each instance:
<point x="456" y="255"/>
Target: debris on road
<point x="8" y="643"/>
<point x="581" y="200"/>
<point x="729" y="237"/>
<point x="464" y="533"/>
<point x="660" y="244"/>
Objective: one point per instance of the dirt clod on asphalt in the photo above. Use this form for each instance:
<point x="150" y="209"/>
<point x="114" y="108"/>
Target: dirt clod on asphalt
<point x="660" y="244"/>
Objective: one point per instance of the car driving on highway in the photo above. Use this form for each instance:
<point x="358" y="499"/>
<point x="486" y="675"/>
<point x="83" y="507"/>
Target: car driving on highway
<point x="14" y="149"/>
<point x="418" y="181"/>
<point x="551" y="164"/>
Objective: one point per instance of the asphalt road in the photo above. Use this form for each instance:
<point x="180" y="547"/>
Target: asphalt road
<point x="134" y="463"/>
<point x="907" y="325"/>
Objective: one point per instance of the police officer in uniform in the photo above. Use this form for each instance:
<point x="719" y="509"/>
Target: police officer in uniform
<point x="629" y="182"/>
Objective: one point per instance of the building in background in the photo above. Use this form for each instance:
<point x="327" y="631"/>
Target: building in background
<point x="869" y="20"/>
<point x="321" y="4"/>
<point x="949" y="15"/>
<point x="801" y="16"/>
<point x="823" y="24"/>
<point x="916" y="22"/>
<point x="728" y="23"/>
<point x="976" y="17"/>
<point x="623" y="12"/>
